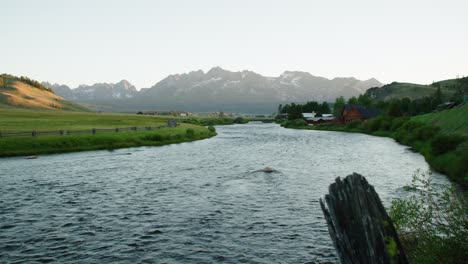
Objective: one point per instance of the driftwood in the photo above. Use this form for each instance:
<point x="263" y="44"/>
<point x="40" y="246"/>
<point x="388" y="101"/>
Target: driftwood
<point x="361" y="230"/>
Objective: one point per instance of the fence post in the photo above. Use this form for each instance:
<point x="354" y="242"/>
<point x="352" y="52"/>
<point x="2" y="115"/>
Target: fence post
<point x="93" y="131"/>
<point x="359" y="226"/>
<point x="117" y="130"/>
<point x="61" y="132"/>
<point x="34" y="133"/>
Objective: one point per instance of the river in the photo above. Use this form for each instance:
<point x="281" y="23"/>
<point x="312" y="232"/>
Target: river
<point x="198" y="202"/>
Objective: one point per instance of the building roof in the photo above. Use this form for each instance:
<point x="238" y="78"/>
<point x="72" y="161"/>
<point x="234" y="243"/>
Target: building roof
<point x="364" y="111"/>
<point x="309" y="115"/>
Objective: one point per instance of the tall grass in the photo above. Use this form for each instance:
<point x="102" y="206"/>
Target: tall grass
<point x="71" y="143"/>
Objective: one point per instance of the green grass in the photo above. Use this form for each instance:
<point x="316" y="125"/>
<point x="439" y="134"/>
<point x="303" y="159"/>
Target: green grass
<point x="413" y="91"/>
<point x="72" y="143"/>
<point x="450" y="121"/>
<point x="47" y="120"/>
<point x="50" y="120"/>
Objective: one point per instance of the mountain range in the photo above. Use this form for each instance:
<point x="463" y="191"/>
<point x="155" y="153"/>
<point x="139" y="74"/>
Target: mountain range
<point x="215" y="90"/>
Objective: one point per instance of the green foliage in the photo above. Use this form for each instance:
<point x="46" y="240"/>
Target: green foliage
<point x="295" y="123"/>
<point x="295" y="111"/>
<point x="338" y="105"/>
<point x="190" y="132"/>
<point x="211" y="129"/>
<point x="442" y="144"/>
<point x="354" y="124"/>
<point x="70" y="143"/>
<point x="353" y="100"/>
<point x="394" y="109"/>
<point x="153" y="137"/>
<point x="239" y="120"/>
<point x="432" y="223"/>
<point x="364" y="100"/>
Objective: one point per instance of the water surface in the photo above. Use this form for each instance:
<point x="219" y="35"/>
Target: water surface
<point x="199" y="202"/>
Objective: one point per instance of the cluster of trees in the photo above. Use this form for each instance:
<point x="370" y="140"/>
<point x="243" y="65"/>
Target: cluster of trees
<point x="295" y="111"/>
<point x="7" y="79"/>
<point x="394" y="107"/>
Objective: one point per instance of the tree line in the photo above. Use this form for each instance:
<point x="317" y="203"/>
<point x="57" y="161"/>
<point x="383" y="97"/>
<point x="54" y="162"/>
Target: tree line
<point x="295" y="111"/>
<point x="394" y="107"/>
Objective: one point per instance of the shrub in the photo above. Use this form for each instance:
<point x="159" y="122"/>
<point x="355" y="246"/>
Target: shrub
<point x="190" y="132"/>
<point x="444" y="143"/>
<point x="153" y="137"/>
<point x="398" y="122"/>
<point x="295" y="123"/>
<point x="211" y="129"/>
<point x="432" y="222"/>
<point x="354" y="124"/>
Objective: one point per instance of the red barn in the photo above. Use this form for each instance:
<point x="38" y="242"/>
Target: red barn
<point x="357" y="112"/>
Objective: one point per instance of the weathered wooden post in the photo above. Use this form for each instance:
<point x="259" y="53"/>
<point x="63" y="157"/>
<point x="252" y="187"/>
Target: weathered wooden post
<point x="361" y="230"/>
<point x="93" y="131"/>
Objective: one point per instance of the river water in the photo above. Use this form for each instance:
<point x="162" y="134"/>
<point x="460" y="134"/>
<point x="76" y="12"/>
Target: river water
<point x="199" y="202"/>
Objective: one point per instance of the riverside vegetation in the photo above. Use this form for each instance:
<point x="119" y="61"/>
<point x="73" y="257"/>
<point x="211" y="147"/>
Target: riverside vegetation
<point x="433" y="221"/>
<point x="45" y="120"/>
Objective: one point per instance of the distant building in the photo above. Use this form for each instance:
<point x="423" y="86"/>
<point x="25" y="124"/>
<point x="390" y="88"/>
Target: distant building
<point x="184" y="114"/>
<point x="351" y="112"/>
<point x="324" y="119"/>
<point x="308" y="115"/>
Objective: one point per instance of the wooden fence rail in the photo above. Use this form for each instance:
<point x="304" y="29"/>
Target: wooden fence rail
<point x="93" y="131"/>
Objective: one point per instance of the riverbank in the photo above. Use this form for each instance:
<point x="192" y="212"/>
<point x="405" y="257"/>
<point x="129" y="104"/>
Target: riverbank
<point x="440" y="137"/>
<point x="28" y="120"/>
<point x="73" y="143"/>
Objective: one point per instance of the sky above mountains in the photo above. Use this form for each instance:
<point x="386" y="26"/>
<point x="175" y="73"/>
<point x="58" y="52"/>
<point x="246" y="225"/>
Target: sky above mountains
<point x="75" y="42"/>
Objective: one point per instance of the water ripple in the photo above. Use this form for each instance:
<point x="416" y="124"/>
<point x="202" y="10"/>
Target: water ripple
<point x="200" y="202"/>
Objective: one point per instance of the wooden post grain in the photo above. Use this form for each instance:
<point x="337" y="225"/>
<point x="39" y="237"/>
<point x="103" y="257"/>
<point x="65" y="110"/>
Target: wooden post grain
<point x="360" y="228"/>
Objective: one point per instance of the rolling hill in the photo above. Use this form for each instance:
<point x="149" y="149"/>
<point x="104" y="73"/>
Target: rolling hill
<point x="22" y="92"/>
<point x="397" y="90"/>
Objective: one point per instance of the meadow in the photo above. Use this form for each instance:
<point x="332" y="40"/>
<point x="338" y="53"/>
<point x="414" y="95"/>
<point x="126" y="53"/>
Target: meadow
<point x="44" y="120"/>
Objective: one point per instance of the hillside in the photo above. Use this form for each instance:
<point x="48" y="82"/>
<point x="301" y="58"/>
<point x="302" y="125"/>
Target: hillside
<point x="450" y="121"/>
<point x="396" y="90"/>
<point x="216" y="90"/>
<point x="21" y="92"/>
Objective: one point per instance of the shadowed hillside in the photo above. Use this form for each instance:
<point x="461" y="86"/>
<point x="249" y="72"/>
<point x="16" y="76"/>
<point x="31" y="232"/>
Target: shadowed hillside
<point x="397" y="90"/>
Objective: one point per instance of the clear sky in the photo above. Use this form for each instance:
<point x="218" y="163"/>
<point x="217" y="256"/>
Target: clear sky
<point x="88" y="41"/>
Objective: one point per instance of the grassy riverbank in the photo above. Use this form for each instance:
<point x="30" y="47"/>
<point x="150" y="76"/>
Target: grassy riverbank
<point x="442" y="138"/>
<point x="27" y="120"/>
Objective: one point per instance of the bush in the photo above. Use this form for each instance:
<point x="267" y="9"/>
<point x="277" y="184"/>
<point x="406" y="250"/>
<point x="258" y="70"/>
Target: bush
<point x="153" y="137"/>
<point x="432" y="222"/>
<point x="190" y="132"/>
<point x="398" y="122"/>
<point x="211" y="129"/>
<point x="444" y="143"/>
<point x="354" y="124"/>
<point x="295" y="123"/>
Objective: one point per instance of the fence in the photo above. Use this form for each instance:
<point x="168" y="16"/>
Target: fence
<point x="93" y="131"/>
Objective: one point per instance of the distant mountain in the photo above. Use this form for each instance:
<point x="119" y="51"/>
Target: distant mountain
<point x="22" y="92"/>
<point x="97" y="92"/>
<point x="218" y="90"/>
<point x="397" y="90"/>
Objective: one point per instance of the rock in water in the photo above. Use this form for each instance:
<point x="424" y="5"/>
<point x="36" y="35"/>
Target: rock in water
<point x="268" y="170"/>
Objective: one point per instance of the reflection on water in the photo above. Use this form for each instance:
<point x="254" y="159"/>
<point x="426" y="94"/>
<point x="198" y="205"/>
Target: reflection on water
<point x="200" y="202"/>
